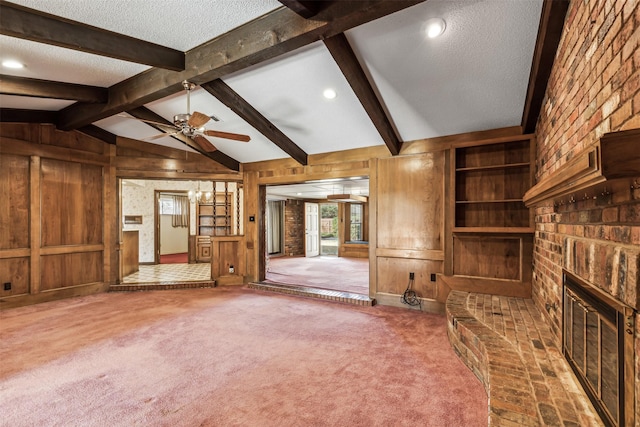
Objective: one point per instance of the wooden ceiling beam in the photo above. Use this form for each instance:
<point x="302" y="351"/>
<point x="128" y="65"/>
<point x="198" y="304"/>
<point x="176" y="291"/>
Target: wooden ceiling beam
<point x="549" y="34"/>
<point x="21" y="22"/>
<point x="264" y="38"/>
<point x="144" y="113"/>
<point x="24" y="86"/>
<point x="99" y="133"/>
<point x="242" y="108"/>
<point x="346" y="59"/>
<point x="18" y="115"/>
<point x="306" y="9"/>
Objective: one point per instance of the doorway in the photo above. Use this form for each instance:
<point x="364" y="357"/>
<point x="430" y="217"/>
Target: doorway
<point x="172" y="227"/>
<point x="318" y="252"/>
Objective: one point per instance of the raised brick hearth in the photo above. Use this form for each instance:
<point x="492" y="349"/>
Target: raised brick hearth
<point x="507" y="345"/>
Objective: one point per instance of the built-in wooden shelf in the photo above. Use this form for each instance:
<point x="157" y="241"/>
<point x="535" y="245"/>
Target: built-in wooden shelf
<point x="614" y="157"/>
<point x="493" y="230"/>
<point x="504" y="166"/>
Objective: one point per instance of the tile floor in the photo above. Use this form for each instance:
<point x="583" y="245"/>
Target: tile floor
<point x="170" y="273"/>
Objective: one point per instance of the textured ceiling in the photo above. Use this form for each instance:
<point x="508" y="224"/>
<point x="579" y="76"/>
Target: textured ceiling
<point x="474" y="77"/>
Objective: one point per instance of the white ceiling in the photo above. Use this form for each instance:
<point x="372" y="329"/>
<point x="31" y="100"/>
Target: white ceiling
<point x="474" y="77"/>
<point x="319" y="189"/>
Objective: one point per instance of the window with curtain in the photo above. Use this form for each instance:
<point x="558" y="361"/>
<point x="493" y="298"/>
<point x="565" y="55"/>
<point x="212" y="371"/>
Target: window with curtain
<point x="275" y="217"/>
<point x="177" y="207"/>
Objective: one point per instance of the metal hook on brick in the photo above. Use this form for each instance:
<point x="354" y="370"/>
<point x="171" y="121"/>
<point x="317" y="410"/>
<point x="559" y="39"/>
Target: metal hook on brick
<point x="635" y="184"/>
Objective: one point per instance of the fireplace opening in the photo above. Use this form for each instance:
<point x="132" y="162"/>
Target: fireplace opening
<point x="598" y="339"/>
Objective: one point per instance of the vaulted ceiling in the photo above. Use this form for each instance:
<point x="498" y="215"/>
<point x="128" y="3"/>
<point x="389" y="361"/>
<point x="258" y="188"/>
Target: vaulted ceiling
<point x="261" y="68"/>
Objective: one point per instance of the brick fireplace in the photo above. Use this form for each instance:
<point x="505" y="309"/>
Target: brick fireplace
<point x="594" y="89"/>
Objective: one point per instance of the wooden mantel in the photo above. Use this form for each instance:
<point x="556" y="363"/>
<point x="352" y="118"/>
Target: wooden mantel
<point x="616" y="156"/>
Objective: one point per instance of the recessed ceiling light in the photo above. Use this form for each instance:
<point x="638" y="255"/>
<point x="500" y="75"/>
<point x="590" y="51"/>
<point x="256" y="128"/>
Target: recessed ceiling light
<point x="435" y="27"/>
<point x="11" y="63"/>
<point x="329" y="93"/>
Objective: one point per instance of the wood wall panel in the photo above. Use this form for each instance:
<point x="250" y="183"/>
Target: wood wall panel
<point x="410" y="201"/>
<point x="71" y="195"/>
<point x="487" y="256"/>
<point x="60" y="271"/>
<point x="14" y="208"/>
<point x="16" y="272"/>
<point x="393" y="275"/>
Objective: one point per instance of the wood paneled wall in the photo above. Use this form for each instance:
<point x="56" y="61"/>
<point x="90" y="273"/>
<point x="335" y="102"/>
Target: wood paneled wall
<point x="409" y="206"/>
<point x="55" y="237"/>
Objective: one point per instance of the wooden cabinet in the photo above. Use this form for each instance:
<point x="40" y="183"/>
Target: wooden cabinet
<point x="203" y="248"/>
<point x="492" y="229"/>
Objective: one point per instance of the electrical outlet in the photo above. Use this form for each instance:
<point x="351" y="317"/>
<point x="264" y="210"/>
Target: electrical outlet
<point x="7" y="286"/>
<point x="433" y="277"/>
<point x="412" y="276"/>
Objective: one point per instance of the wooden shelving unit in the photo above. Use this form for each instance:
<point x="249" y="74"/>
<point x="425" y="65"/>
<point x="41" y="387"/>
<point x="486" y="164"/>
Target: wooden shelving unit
<point x="492" y="229"/>
<point x="214" y="218"/>
<point x="490" y="182"/>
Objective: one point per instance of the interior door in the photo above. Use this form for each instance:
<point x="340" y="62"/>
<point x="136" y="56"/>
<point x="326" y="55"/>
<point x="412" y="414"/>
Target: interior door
<point x="312" y="229"/>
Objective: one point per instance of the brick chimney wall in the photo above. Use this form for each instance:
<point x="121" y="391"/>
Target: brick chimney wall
<point x="294" y="227"/>
<point x="594" y="89"/>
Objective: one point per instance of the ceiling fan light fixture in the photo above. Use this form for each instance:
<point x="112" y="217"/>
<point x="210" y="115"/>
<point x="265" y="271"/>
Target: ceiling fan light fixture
<point x="435" y="27"/>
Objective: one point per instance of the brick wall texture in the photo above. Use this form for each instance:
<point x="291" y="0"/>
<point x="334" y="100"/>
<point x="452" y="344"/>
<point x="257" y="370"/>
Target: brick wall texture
<point x="594" y="88"/>
<point x="294" y="227"/>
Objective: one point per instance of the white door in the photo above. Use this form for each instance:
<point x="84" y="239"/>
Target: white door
<point x="312" y="229"/>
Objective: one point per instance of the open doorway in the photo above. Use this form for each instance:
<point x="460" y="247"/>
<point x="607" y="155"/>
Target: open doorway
<point x="146" y="208"/>
<point x="172" y="230"/>
<point x="336" y="262"/>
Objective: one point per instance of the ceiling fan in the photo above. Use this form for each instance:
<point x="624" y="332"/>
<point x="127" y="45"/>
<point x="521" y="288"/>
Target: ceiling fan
<point x="192" y="125"/>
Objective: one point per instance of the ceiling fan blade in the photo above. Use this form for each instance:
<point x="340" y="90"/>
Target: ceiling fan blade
<point x="145" y="121"/>
<point x="197" y="120"/>
<point x="204" y="143"/>
<point x="160" y="135"/>
<point x="227" y="135"/>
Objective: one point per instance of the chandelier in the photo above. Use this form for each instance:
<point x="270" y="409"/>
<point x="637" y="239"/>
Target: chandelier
<point x="199" y="196"/>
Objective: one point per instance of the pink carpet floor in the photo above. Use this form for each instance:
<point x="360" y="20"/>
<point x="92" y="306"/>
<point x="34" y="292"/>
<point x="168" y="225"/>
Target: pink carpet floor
<point x="230" y="356"/>
<point x="325" y="272"/>
<point x="181" y="258"/>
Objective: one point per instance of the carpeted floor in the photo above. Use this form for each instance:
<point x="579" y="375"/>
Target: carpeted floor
<point x="181" y="258"/>
<point x="326" y="272"/>
<point x="230" y="356"/>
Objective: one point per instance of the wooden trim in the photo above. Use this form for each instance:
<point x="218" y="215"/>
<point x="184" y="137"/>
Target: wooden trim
<point x="348" y="63"/>
<point x="444" y="142"/>
<point x="15" y="253"/>
<point x="508" y="288"/>
<point x="25" y="148"/>
<point x="580" y="172"/>
<point x="428" y="254"/>
<point x="19" y="115"/>
<point x="260" y="40"/>
<point x="52" y="295"/>
<point x="24" y="86"/>
<point x="35" y="225"/>
<point x="373" y="227"/>
<point x="549" y="35"/>
<point x="21" y="22"/>
<point x="71" y="249"/>
<point x="616" y="157"/>
<point x="497" y="140"/>
<point x="242" y="108"/>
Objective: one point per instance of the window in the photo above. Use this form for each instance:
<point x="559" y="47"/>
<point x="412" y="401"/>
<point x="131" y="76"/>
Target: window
<point x="356" y="222"/>
<point x="167" y="206"/>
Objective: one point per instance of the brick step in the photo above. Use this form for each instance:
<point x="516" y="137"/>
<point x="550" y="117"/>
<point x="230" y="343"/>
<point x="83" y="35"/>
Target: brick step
<point x="325" y="294"/>
<point x="134" y="287"/>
